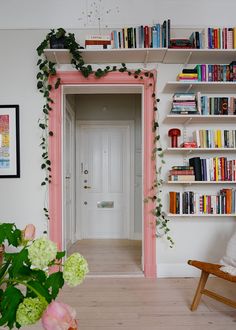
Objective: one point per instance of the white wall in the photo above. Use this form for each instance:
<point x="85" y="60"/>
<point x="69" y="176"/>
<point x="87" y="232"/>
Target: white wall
<point x="21" y="200"/>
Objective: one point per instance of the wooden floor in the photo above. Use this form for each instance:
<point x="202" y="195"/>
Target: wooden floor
<point x="144" y="304"/>
<point x="111" y="256"/>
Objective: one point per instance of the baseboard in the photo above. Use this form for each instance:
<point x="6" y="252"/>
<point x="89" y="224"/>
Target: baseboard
<point x="136" y="236"/>
<point x="177" y="270"/>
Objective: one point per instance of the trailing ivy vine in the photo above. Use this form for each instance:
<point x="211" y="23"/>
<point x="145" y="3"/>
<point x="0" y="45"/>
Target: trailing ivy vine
<point x="47" y="69"/>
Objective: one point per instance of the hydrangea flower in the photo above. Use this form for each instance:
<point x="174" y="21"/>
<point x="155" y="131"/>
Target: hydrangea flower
<point x="75" y="269"/>
<point x="30" y="310"/>
<point x="41" y="252"/>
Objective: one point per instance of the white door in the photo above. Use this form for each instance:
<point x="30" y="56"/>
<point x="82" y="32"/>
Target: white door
<point x="104" y="180"/>
<point x="69" y="177"/>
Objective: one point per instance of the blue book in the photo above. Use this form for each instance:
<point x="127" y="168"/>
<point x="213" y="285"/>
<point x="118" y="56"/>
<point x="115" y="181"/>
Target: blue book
<point x="158" y="27"/>
<point x="154" y="37"/>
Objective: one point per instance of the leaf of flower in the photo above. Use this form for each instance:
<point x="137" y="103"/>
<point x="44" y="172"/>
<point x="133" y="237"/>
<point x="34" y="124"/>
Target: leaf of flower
<point x="18" y="260"/>
<point x="60" y="255"/>
<point x="9" y="305"/>
<point x="41" y="289"/>
<point x="9" y="232"/>
<point x="55" y="281"/>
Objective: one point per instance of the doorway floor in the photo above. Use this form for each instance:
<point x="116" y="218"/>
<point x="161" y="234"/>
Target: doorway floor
<point x="111" y="256"/>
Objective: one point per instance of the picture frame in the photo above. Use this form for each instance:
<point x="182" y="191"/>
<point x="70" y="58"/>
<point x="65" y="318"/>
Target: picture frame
<point x="9" y="141"/>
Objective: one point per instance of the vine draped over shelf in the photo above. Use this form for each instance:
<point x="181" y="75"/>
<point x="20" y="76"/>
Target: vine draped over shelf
<point x="48" y="69"/>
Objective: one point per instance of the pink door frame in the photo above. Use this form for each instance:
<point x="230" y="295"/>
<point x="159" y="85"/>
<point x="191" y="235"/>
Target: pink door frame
<point x="55" y="155"/>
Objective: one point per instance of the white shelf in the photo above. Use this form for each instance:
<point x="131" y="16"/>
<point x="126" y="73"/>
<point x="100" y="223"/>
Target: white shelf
<point x="200" y="215"/>
<point x="146" y="55"/>
<point x="106" y="56"/>
<point x="206" y="86"/>
<point x="201" y="182"/>
<point x="188" y="119"/>
<point x="200" y="56"/>
<point x="196" y="150"/>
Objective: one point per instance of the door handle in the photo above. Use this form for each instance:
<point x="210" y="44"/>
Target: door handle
<point x="87" y="187"/>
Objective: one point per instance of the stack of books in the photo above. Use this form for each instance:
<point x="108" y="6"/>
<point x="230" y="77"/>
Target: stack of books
<point x="98" y="42"/>
<point x="206" y="138"/>
<point x="213" y="169"/>
<point x="184" y="103"/>
<point x="181" y="173"/>
<point x="190" y="202"/>
<point x="188" y="75"/>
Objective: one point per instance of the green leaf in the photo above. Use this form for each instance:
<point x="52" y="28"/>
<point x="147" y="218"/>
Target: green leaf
<point x="39" y="84"/>
<point x="18" y="260"/>
<point x="58" y="82"/>
<point x="9" y="232"/>
<point x="9" y="306"/>
<point x="41" y="289"/>
<point x="60" y="254"/>
<point x="50" y="133"/>
<point x="55" y="281"/>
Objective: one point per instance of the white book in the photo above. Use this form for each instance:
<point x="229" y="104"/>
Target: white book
<point x="98" y="37"/>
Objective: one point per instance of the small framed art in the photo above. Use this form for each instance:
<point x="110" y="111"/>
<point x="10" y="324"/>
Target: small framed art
<point x="9" y="141"/>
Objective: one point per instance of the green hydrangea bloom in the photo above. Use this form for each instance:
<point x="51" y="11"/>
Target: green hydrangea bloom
<point x="75" y="269"/>
<point x="30" y="310"/>
<point x="42" y="252"/>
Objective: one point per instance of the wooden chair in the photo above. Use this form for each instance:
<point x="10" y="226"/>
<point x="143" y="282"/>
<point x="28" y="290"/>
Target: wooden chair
<point x="207" y="269"/>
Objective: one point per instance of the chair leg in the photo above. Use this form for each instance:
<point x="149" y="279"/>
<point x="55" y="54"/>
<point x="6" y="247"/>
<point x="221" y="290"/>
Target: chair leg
<point x="198" y="294"/>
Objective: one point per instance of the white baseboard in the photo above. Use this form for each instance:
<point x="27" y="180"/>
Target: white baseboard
<point x="136" y="236"/>
<point x="177" y="270"/>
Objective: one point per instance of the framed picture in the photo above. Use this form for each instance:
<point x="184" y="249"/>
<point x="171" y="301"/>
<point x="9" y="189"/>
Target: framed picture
<point x="9" y="141"/>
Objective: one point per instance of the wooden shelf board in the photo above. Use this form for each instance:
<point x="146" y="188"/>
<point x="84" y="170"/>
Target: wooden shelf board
<point x="206" y="86"/>
<point x="183" y="119"/>
<point x="201" y="182"/>
<point x="200" y="215"/>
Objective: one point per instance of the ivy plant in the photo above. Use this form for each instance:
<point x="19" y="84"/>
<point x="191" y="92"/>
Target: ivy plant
<point x="47" y="69"/>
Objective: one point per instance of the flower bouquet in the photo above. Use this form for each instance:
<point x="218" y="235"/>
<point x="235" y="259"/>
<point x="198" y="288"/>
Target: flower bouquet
<point x="27" y="287"/>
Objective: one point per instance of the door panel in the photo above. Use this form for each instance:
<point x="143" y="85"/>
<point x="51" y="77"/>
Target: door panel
<point x="104" y="180"/>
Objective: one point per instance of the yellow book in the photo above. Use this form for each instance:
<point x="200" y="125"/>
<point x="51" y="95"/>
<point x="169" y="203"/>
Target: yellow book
<point x="215" y="139"/>
<point x="204" y="139"/>
<point x="234" y="37"/>
<point x="219" y="145"/>
<point x="217" y="168"/>
<point x="125" y="37"/>
<point x="204" y="204"/>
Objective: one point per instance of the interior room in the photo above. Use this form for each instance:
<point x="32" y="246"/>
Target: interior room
<point x="118" y="165"/>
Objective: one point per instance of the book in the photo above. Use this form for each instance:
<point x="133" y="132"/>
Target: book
<point x="196" y="163"/>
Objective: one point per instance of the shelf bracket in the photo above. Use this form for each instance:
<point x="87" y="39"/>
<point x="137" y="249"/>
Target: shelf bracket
<point x="188" y="59"/>
<point x="189" y="88"/>
<point x="146" y="59"/>
<point x="188" y="121"/>
<point x="56" y="59"/>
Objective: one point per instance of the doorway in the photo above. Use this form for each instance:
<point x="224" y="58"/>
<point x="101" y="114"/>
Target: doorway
<point x="108" y="186"/>
<point x="123" y="83"/>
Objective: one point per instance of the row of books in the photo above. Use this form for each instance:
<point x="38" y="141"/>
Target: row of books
<point x="156" y="36"/>
<point x="190" y="202"/>
<point x="206" y="138"/>
<point x="221" y="38"/>
<point x="190" y="103"/>
<point x="212" y="169"/>
<point x="216" y="105"/>
<point x="209" y="72"/>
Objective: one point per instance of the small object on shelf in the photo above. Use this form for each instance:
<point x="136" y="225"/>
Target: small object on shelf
<point x="174" y="133"/>
<point x="189" y="144"/>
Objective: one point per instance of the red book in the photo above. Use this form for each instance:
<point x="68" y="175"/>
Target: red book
<point x="146" y="36"/>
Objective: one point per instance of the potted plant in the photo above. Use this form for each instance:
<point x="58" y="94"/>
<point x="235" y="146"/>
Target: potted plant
<point x="28" y="287"/>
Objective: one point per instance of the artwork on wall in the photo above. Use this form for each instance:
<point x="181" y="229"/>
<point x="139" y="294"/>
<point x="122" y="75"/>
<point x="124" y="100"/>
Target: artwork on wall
<point x="9" y="141"/>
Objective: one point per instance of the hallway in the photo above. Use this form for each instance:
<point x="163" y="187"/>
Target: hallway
<point x="111" y="256"/>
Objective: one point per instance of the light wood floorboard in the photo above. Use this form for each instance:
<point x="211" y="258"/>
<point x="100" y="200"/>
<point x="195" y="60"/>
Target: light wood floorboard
<point x="110" y="256"/>
<point x="144" y="304"/>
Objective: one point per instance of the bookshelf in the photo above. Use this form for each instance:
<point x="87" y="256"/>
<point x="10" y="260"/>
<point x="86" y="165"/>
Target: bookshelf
<point x="145" y="55"/>
<point x="213" y="87"/>
<point x="197" y="150"/>
<point x="186" y="119"/>
<point x="201" y="182"/>
<point x="171" y="215"/>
